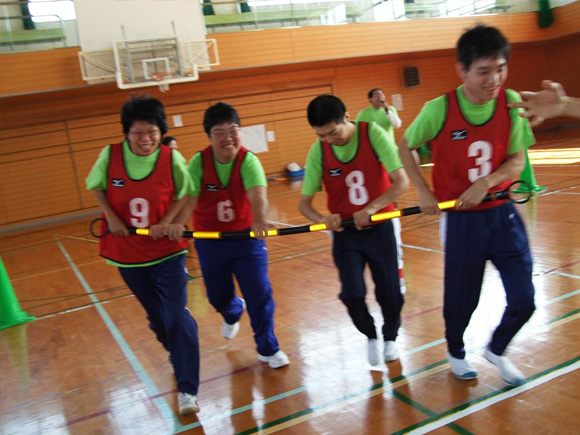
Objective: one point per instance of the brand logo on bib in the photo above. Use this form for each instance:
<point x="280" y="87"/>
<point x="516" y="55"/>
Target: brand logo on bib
<point x="118" y="182"/>
<point x="336" y="172"/>
<point x="459" y="134"/>
<point x="212" y="187"/>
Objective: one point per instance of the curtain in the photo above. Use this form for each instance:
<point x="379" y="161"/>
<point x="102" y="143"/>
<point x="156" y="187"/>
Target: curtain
<point x="26" y="18"/>
<point x="245" y="7"/>
<point x="208" y="8"/>
<point x="545" y="17"/>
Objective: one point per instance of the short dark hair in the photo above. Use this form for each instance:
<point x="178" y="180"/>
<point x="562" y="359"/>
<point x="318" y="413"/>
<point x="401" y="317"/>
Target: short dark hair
<point x="218" y="114"/>
<point x="481" y="42"/>
<point x="167" y="139"/>
<point x="144" y="108"/>
<point x="372" y="91"/>
<point x="324" y="109"/>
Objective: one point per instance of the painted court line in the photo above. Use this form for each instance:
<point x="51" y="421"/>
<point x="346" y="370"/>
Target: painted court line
<point x="163" y="407"/>
<point x="496" y="398"/>
<point x="379" y="389"/>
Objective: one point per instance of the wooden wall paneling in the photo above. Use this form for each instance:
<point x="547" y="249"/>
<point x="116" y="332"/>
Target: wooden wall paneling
<point x="32" y="154"/>
<point x="11" y="132"/>
<point x="294" y="138"/>
<point x="191" y="143"/>
<point x="100" y="131"/>
<point x="40" y="70"/>
<point x="31" y="142"/>
<point x="566" y="20"/>
<point x="561" y="63"/>
<point x="38" y="188"/>
<point x="96" y="144"/>
<point x="94" y="121"/>
<point x="83" y="162"/>
<point x="251" y="48"/>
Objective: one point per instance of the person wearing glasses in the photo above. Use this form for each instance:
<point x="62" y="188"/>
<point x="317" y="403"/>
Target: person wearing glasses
<point x="139" y="183"/>
<point x="230" y="195"/>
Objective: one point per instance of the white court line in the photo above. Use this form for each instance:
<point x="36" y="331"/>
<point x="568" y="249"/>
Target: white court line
<point x="495" y="399"/>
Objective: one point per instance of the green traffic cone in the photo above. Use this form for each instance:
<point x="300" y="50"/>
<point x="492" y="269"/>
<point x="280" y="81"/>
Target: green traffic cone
<point x="527" y="175"/>
<point x="10" y="312"/>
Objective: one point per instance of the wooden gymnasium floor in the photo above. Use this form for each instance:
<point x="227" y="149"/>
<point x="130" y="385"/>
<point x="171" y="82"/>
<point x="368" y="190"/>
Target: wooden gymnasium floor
<point x="90" y="365"/>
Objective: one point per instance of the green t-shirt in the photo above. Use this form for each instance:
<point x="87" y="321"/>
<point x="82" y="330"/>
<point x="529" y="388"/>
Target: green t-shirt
<point x="139" y="167"/>
<point x="429" y="122"/>
<point x="251" y="170"/>
<point x="370" y="114"/>
<point x="381" y="142"/>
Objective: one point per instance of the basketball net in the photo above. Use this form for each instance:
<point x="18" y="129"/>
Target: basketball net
<point x="161" y="79"/>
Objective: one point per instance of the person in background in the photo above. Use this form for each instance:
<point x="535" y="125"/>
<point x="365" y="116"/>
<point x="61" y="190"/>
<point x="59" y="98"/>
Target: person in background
<point x="170" y="141"/>
<point x="478" y="145"/>
<point x="230" y="195"/>
<point x="548" y="103"/>
<point x="139" y="183"/>
<point x="362" y="173"/>
<point x="386" y="116"/>
<point x="380" y="112"/>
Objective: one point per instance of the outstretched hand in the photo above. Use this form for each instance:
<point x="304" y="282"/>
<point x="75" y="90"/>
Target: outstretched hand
<point x="542" y="105"/>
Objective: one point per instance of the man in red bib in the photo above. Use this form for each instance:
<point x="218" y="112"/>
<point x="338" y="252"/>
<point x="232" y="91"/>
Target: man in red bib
<point x="230" y="195"/>
<point x="362" y="173"/>
<point x="478" y="145"/>
<point x="139" y="183"/>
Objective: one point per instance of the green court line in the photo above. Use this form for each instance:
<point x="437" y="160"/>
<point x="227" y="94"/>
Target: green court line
<point x="563" y="316"/>
<point x="488" y="396"/>
<point x="399" y="396"/>
<point x="430" y="413"/>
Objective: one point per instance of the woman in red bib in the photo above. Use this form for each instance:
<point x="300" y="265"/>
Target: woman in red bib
<point x="139" y="183"/>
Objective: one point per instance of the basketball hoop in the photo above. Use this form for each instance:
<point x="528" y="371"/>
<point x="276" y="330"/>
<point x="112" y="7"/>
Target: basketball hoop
<point x="161" y="78"/>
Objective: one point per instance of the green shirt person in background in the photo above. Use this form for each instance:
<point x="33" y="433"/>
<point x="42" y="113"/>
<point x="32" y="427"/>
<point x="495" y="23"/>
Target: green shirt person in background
<point x="380" y="112"/>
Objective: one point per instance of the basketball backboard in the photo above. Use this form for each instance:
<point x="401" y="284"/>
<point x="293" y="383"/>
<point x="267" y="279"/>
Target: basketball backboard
<point x="149" y="62"/>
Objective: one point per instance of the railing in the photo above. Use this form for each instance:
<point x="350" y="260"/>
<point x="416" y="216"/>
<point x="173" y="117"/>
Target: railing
<point x="233" y="16"/>
<point x="237" y="15"/>
<point x="21" y="31"/>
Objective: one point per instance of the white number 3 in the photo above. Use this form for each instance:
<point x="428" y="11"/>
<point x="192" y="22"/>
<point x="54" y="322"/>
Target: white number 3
<point x="482" y="151"/>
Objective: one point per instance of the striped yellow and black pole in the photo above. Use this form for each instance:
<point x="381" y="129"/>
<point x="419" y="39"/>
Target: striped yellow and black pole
<point x="378" y="217"/>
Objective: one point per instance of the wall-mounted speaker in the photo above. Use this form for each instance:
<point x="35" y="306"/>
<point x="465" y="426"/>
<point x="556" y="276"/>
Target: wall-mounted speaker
<point x="411" y="76"/>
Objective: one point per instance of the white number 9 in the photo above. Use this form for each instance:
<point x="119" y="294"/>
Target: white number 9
<point x="139" y="207"/>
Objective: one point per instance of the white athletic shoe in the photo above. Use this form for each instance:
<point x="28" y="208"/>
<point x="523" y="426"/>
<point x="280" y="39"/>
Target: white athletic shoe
<point x="230" y="331"/>
<point x="507" y="371"/>
<point x="391" y="352"/>
<point x="279" y="359"/>
<point x="373" y="352"/>
<point x="461" y="368"/>
<point x="187" y="403"/>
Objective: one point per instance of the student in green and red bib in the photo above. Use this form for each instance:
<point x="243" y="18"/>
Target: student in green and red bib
<point x="478" y="145"/>
<point x="139" y="183"/>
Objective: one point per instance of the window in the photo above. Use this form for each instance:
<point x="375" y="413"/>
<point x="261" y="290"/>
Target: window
<point x="44" y="11"/>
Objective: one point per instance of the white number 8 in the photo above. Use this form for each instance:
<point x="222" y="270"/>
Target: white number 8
<point x="357" y="192"/>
